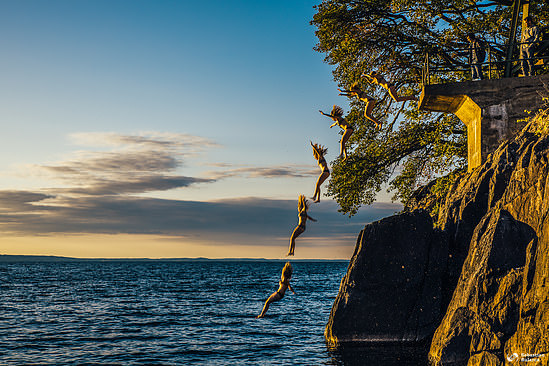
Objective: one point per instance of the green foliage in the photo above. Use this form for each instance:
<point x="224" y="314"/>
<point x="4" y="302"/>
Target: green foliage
<point x="392" y="37"/>
<point x="441" y="187"/>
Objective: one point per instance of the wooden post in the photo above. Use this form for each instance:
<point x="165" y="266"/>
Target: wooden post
<point x="489" y="61"/>
<point x="525" y="11"/>
<point x="512" y="39"/>
<point x="427" y="69"/>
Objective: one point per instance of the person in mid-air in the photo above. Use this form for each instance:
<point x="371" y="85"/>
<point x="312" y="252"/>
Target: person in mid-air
<point x="337" y="115"/>
<point x="355" y="91"/>
<point x="318" y="152"/>
<point x="376" y="78"/>
<point x="302" y="207"/>
<point x="283" y="285"/>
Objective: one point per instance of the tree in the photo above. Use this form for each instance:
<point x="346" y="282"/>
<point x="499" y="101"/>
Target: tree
<point x="393" y="37"/>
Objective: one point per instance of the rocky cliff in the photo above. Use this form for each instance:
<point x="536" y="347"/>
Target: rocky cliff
<point x="472" y="279"/>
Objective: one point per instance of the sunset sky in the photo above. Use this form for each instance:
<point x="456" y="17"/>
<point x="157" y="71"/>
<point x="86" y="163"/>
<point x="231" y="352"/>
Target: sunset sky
<point x="165" y="129"/>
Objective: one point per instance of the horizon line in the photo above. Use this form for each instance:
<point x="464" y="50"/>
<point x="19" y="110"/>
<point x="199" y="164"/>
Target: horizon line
<point x="4" y="257"/>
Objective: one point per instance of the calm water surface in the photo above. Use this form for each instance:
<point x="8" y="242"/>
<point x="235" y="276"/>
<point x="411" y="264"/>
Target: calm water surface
<point x="170" y="313"/>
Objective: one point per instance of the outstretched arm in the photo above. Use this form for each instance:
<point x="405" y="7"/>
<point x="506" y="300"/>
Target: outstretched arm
<point x="333" y="124"/>
<point x="324" y="114"/>
<point x="310" y="218"/>
<point x="345" y="93"/>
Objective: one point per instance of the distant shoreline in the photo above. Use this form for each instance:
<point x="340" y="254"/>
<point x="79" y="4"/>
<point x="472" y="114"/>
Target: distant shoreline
<point x="4" y="258"/>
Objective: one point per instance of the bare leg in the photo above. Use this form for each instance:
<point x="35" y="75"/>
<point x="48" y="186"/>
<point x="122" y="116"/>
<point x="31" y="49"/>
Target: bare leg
<point x="297" y="231"/>
<point x="368" y="112"/>
<point x="344" y="139"/>
<point x="320" y="180"/>
<point x="274" y="297"/>
<point x="393" y="93"/>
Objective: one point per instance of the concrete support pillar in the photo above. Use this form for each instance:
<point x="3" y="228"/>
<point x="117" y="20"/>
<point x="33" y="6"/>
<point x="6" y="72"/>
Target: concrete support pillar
<point x="471" y="115"/>
<point x="492" y="110"/>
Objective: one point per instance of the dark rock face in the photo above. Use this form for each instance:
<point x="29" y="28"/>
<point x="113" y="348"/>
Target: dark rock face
<point x="398" y="297"/>
<point x="485" y="304"/>
<point x="503" y="285"/>
<point x="481" y="277"/>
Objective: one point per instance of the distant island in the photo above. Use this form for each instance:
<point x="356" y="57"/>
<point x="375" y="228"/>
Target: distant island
<point x="4" y="258"/>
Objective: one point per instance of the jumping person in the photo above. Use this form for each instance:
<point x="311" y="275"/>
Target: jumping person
<point x="336" y="115"/>
<point x="302" y="207"/>
<point x="378" y="79"/>
<point x="355" y="91"/>
<point x="283" y="285"/>
<point x="318" y="152"/>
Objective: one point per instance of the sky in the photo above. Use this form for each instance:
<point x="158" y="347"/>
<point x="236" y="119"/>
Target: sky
<point x="159" y="129"/>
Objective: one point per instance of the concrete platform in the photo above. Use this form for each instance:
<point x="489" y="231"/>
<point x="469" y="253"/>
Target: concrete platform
<point x="492" y="110"/>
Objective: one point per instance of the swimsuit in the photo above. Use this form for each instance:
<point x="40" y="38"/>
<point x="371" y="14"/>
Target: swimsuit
<point x="322" y="162"/>
<point x="380" y="80"/>
<point x="367" y="97"/>
<point x="278" y="291"/>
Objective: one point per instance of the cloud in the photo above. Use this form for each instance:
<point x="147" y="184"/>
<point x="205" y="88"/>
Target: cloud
<point x="135" y="184"/>
<point x="250" y="221"/>
<point x="144" y="140"/>
<point x="132" y="164"/>
<point x="102" y="194"/>
<point x="284" y="171"/>
<point x="20" y="201"/>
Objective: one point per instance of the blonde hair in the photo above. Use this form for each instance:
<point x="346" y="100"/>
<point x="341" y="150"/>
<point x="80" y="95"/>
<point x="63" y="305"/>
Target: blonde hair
<point x="287" y="271"/>
<point x="337" y="111"/>
<point x="302" y="203"/>
<point x="318" y="150"/>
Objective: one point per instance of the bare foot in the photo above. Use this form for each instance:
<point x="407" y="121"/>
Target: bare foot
<point x="259" y="316"/>
<point x="289" y="254"/>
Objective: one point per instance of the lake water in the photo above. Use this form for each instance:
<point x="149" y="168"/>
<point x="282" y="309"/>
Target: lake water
<point x="172" y="313"/>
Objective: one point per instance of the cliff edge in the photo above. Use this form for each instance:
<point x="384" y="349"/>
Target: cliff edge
<point x="474" y="279"/>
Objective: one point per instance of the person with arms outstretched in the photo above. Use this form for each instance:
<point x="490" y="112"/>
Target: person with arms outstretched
<point x="283" y="285"/>
<point x="318" y="152"/>
<point x="337" y="115"/>
<point x="355" y="91"/>
<point x="378" y="79"/>
<point x="302" y="207"/>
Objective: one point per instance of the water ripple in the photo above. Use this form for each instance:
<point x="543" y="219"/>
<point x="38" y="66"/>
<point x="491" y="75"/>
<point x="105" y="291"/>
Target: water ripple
<point x="168" y="313"/>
